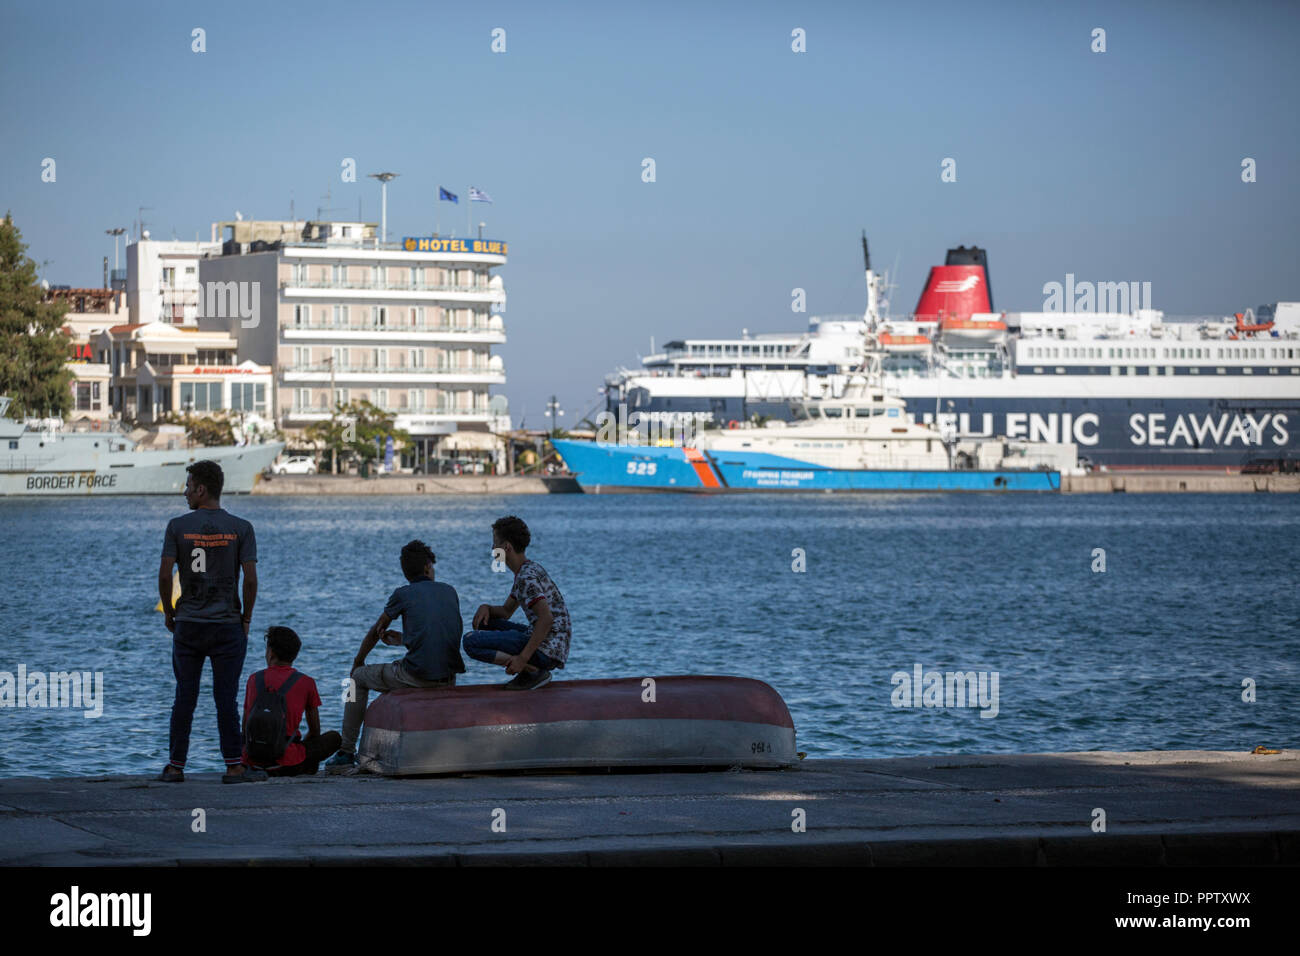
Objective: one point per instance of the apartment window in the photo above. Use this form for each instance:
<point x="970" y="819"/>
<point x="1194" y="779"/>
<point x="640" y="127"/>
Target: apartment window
<point x="301" y="316"/>
<point x="169" y="277"/>
<point x="379" y="316"/>
<point x="417" y="358"/>
<point x="341" y="396"/>
<point x="301" y="356"/>
<point x="417" y="276"/>
<point x="300" y="273"/>
<point x="379" y="358"/>
<point x="201" y="396"/>
<point x="378" y="276"/>
<point x="339" y="274"/>
<point x="248" y="396"/>
<point x="88" y="398"/>
<point x="416" y="398"/>
<point x="302" y="398"/>
<point x="381" y="397"/>
<point x="339" y="356"/>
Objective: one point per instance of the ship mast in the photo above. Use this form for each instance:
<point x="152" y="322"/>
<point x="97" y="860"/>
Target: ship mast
<point x="871" y="351"/>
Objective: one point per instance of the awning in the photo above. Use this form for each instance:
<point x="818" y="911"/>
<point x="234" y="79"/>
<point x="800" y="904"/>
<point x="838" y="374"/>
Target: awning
<point x="470" y="441"/>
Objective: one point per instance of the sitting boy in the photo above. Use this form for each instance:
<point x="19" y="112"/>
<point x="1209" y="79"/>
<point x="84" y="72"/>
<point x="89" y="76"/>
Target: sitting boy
<point x="276" y="700"/>
<point x="531" y="651"/>
<point x="431" y="623"/>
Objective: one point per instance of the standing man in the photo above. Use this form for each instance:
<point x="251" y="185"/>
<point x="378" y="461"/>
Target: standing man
<point x="431" y="623"/>
<point x="209" y="620"/>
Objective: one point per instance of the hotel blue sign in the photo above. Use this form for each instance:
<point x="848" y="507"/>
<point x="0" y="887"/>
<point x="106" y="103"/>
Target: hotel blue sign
<point x="494" y="247"/>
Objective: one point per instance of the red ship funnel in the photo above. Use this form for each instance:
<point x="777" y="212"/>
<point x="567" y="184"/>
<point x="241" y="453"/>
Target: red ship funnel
<point x="958" y="288"/>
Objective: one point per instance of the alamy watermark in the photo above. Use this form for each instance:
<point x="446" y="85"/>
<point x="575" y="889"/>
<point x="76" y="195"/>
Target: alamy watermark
<point x="922" y="688"/>
<point x="231" y="300"/>
<point x="649" y="428"/>
<point x="1120" y="297"/>
<point x="82" y="690"/>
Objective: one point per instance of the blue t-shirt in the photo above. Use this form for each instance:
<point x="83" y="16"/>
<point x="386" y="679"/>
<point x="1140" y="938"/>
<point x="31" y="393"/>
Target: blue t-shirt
<point x="431" y="628"/>
<point x="210" y="546"/>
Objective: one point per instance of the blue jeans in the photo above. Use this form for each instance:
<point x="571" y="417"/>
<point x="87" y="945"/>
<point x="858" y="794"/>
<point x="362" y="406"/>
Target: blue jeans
<point x="508" y="637"/>
<point x="192" y="643"/>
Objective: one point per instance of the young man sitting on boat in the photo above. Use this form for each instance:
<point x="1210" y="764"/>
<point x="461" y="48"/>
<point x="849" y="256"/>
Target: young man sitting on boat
<point x="431" y="625"/>
<point x="275" y="702"/>
<point x="531" y="650"/>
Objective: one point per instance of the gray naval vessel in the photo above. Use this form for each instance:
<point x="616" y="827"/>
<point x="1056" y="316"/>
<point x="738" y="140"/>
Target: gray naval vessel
<point x="47" y="462"/>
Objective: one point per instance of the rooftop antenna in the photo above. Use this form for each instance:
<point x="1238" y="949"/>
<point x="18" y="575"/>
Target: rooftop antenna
<point x="140" y="222"/>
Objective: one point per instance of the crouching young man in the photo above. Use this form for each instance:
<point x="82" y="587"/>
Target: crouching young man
<point x="431" y="625"/>
<point x="275" y="701"/>
<point x="533" y="650"/>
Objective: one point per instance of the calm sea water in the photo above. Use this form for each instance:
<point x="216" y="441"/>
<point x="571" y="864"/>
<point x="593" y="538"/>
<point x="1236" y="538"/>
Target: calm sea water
<point x="1199" y="594"/>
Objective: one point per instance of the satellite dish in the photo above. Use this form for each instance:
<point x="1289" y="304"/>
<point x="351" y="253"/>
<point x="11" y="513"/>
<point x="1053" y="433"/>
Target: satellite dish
<point x="146" y="234"/>
<point x="499" y="405"/>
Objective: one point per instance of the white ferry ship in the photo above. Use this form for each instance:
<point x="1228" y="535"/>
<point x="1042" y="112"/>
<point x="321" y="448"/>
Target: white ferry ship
<point x="42" y="460"/>
<point x="1131" y="388"/>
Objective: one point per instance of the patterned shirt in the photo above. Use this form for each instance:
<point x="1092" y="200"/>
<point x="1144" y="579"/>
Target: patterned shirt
<point x="532" y="583"/>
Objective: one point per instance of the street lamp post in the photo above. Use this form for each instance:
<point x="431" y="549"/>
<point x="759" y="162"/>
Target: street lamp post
<point x="553" y="409"/>
<point x="384" y="180"/>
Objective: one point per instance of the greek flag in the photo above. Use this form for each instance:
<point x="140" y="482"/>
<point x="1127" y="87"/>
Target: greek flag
<point x="478" y="195"/>
<point x="447" y="195"/>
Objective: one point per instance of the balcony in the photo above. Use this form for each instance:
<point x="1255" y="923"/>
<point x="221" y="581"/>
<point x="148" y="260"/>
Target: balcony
<point x="480" y="372"/>
<point x="352" y="289"/>
<point x="481" y="332"/>
<point x="314" y="413"/>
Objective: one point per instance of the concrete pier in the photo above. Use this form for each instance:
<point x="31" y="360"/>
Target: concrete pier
<point x="1160" y="808"/>
<point x="1174" y="482"/>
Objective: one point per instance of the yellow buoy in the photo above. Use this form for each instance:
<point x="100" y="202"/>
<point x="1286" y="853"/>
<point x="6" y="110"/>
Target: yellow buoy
<point x="176" y="592"/>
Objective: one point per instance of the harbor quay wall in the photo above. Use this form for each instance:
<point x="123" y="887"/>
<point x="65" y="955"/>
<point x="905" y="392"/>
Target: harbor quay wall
<point x="400" y="485"/>
<point x="1166" y="482"/>
<point x="1152" y="808"/>
<point x="1138" y="482"/>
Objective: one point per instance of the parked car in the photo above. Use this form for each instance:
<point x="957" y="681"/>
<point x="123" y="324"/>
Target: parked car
<point x="296" y="465"/>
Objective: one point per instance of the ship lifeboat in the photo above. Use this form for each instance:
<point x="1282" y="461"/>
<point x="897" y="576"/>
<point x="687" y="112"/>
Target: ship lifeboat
<point x="1246" y="328"/>
<point x="905" y="344"/>
<point x="972" y="332"/>
<point x="692" y="721"/>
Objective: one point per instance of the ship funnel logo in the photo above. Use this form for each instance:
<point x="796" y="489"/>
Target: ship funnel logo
<point x="953" y="286"/>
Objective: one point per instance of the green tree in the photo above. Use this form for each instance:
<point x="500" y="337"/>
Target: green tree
<point x="204" y="430"/>
<point x="353" y="430"/>
<point x="33" y="349"/>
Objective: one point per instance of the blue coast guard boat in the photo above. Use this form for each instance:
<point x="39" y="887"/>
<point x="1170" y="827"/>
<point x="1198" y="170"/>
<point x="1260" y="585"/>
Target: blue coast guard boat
<point x="863" y="440"/>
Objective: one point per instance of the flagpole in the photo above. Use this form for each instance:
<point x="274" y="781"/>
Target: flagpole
<point x="469" y="216"/>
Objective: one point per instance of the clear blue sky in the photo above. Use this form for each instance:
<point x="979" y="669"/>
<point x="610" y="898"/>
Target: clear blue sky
<point x="1118" y="166"/>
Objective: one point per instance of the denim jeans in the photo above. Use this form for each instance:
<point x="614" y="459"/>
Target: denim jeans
<point x="380" y="677"/>
<point x="192" y="643"/>
<point x="509" y="637"/>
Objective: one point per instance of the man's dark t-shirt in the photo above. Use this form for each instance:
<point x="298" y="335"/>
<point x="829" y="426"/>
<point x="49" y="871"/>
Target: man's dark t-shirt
<point x="209" y="545"/>
<point x="431" y="627"/>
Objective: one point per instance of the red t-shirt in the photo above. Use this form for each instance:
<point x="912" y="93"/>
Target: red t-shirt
<point x="302" y="693"/>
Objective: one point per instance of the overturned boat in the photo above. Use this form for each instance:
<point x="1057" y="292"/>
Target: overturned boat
<point x="689" y="721"/>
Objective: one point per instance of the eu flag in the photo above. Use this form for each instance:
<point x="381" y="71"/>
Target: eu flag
<point x="447" y="195"/>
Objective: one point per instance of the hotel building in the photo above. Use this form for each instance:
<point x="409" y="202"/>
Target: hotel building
<point x="408" y="326"/>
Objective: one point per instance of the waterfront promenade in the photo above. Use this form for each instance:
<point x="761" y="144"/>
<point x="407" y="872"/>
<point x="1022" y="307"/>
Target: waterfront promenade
<point x="1161" y="808"/>
<point x="1137" y="482"/>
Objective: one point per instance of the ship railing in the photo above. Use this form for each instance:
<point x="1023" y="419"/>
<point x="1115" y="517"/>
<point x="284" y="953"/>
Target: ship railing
<point x="24" y="463"/>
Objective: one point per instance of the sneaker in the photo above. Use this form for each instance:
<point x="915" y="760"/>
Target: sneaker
<point x="247" y="775"/>
<point x="530" y="681"/>
<point x="341" y="762"/>
<point x="172" y="774"/>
